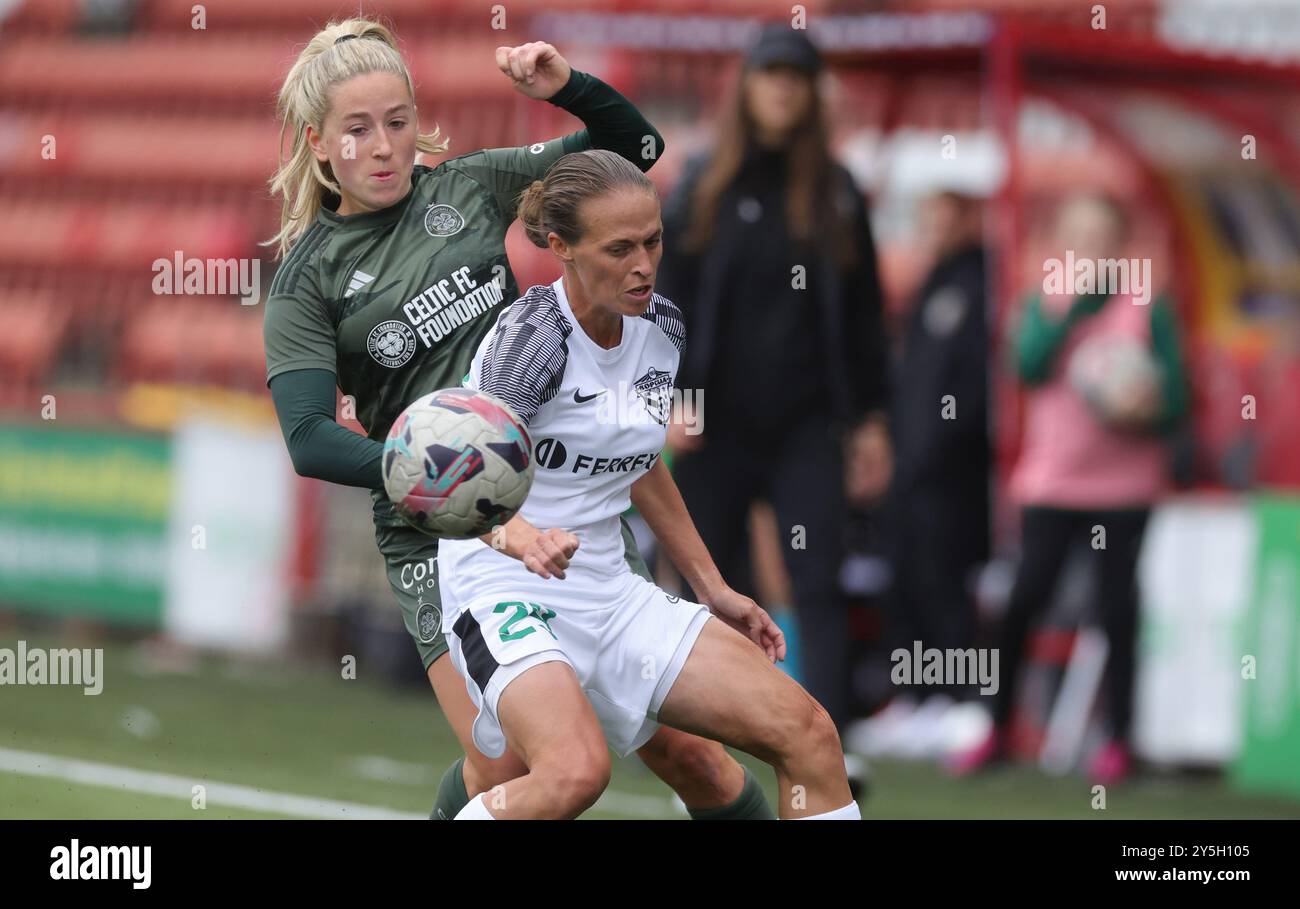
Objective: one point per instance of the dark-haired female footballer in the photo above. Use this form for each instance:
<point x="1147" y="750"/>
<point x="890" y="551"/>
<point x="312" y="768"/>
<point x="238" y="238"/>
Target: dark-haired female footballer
<point x="392" y="272"/>
<point x="564" y="649"/>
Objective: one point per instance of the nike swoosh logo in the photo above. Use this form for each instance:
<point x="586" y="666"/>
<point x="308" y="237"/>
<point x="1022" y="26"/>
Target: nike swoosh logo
<point x="580" y="398"/>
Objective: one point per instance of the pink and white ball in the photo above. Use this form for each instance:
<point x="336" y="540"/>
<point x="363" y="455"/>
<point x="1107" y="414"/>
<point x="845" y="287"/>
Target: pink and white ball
<point x="457" y="462"/>
<point x="1118" y="377"/>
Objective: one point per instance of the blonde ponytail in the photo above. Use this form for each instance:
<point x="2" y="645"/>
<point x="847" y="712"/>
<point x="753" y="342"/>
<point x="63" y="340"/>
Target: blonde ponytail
<point x="329" y="58"/>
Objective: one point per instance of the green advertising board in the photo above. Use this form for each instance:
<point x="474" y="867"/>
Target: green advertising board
<point x="1269" y="760"/>
<point x="83" y="515"/>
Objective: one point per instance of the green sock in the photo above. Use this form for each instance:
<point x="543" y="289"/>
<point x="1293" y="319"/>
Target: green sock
<point x="451" y="793"/>
<point x="750" y="805"/>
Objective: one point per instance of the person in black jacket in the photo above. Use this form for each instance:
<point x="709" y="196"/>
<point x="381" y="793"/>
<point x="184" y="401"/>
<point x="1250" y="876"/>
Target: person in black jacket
<point x="767" y="247"/>
<point x="939" y="500"/>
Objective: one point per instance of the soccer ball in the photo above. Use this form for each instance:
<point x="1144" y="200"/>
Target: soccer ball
<point x="457" y="463"/>
<point x="1112" y="372"/>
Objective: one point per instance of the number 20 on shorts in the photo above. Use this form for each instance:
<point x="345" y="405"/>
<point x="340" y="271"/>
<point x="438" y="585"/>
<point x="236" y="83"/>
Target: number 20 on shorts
<point x="522" y="612"/>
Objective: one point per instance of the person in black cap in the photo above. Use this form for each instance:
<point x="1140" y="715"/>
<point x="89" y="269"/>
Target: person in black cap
<point x="767" y="247"/>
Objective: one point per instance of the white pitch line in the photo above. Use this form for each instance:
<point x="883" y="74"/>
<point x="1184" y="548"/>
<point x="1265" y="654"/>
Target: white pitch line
<point x="167" y="785"/>
<point x="178" y="787"/>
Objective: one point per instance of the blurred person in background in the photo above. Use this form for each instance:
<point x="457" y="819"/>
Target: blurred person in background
<point x="767" y="247"/>
<point x="937" y="516"/>
<point x="866" y="574"/>
<point x="1105" y="386"/>
<point x="106" y="16"/>
<point x="372" y="245"/>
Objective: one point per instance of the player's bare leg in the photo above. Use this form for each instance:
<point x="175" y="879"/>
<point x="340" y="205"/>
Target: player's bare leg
<point x="700" y="771"/>
<point x="481" y="772"/>
<point x="727" y="690"/>
<point x="551" y="725"/>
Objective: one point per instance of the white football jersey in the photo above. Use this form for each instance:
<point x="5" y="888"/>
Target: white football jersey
<point x="598" y="419"/>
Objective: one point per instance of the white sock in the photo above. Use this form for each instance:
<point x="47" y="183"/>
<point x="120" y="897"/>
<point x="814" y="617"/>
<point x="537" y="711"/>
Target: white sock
<point x="476" y="810"/>
<point x="849" y="812"/>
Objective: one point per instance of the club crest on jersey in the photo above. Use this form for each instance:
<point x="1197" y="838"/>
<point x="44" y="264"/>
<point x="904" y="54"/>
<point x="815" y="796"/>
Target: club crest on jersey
<point x="391" y="344"/>
<point x="655" y="389"/>
<point x="442" y="220"/>
<point x="428" y="622"/>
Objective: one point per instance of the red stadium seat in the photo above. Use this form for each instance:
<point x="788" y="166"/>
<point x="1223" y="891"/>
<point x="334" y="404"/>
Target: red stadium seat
<point x="212" y="340"/>
<point x="296" y="16"/>
<point x="137" y="147"/>
<point x="137" y="69"/>
<point x="196" y="68"/>
<point x="35" y="324"/>
<point x="458" y="69"/>
<point x="530" y="264"/>
<point x="71" y="235"/>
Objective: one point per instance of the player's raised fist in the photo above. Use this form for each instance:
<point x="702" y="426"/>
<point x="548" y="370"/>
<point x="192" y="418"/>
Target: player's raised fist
<point x="536" y="69"/>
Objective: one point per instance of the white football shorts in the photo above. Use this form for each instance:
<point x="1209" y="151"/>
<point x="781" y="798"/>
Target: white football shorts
<point x="625" y="638"/>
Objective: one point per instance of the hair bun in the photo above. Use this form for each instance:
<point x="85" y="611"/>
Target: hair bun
<point x="551" y="206"/>
<point x="530" y="213"/>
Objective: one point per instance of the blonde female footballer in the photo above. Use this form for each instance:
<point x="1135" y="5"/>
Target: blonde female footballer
<point x="392" y="272"/>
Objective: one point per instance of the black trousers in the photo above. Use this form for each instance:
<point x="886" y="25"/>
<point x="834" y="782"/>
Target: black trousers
<point x="801" y="473"/>
<point x="936" y="539"/>
<point x="1045" y="540"/>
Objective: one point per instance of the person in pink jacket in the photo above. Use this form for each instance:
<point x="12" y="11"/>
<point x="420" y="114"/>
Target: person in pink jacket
<point x="1105" y="385"/>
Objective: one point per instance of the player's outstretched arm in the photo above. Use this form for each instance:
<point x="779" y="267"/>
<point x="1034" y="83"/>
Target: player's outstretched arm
<point x="543" y="552"/>
<point x="539" y="71"/>
<point x="318" y="446"/>
<point x="656" y="496"/>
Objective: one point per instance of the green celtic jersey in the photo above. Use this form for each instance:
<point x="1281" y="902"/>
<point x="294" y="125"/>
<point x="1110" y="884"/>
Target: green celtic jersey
<point x="394" y="302"/>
